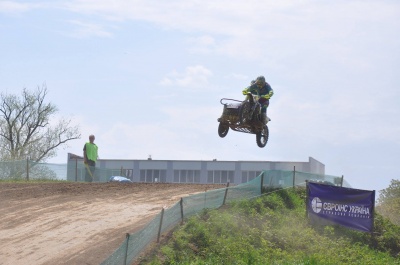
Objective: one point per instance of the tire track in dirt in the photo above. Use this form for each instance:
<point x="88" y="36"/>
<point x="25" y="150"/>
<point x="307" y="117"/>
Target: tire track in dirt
<point x="78" y="223"/>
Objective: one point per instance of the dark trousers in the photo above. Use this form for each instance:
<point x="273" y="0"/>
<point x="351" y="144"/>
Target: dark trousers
<point x="89" y="176"/>
<point x="264" y="106"/>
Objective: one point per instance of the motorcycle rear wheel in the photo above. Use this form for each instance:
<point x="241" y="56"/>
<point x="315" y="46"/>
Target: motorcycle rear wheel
<point x="244" y="112"/>
<point x="223" y="129"/>
<point x="262" y="137"/>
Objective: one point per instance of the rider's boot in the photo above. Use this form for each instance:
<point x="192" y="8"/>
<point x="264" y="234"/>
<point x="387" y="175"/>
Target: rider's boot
<point x="264" y="118"/>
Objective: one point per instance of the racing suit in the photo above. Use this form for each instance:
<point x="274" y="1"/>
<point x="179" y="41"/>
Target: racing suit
<point x="265" y="94"/>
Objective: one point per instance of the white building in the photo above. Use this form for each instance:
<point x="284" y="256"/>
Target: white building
<point x="186" y="171"/>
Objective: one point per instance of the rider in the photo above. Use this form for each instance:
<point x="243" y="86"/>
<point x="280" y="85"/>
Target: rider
<point x="264" y="90"/>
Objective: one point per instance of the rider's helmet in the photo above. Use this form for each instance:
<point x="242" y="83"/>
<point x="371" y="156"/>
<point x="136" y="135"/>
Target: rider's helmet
<point x="260" y="81"/>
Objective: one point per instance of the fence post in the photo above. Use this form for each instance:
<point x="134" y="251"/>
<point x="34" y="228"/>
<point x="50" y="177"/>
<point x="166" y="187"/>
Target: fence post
<point x="294" y="176"/>
<point x="159" y="229"/>
<point x="226" y="193"/>
<point x="27" y="169"/>
<point x="126" y="249"/>
<point x="341" y="181"/>
<point x="307" y="199"/>
<point x="181" y="203"/>
<point x="76" y="169"/>
<point x="262" y="182"/>
<point x="205" y="199"/>
<point x="121" y="171"/>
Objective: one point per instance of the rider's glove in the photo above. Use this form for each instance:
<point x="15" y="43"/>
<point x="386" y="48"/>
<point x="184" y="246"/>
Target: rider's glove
<point x="269" y="95"/>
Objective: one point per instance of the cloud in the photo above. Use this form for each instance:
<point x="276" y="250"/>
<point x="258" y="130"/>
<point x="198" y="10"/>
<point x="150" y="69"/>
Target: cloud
<point x="203" y="44"/>
<point x="250" y="29"/>
<point x="87" y="30"/>
<point x="14" y="7"/>
<point x="194" y="77"/>
<point x="253" y="28"/>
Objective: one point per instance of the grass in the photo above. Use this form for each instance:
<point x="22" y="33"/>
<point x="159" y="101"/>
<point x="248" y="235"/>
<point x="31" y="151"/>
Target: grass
<point x="273" y="229"/>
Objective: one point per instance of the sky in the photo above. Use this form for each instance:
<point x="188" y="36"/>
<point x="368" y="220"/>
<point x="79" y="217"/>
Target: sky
<point x="146" y="77"/>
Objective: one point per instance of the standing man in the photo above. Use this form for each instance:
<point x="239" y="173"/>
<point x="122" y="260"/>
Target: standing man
<point x="89" y="158"/>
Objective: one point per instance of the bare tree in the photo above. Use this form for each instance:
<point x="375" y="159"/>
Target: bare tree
<point x="25" y="129"/>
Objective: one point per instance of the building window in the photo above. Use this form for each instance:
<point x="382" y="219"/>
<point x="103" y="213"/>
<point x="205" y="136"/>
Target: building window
<point x="187" y="176"/>
<point x="196" y="176"/>
<point x="153" y="175"/>
<point x="249" y="175"/>
<point x="220" y="176"/>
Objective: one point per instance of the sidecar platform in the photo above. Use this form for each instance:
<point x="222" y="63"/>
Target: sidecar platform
<point x="230" y="113"/>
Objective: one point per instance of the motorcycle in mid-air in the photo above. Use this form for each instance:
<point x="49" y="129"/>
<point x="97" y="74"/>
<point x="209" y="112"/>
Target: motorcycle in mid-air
<point x="243" y="116"/>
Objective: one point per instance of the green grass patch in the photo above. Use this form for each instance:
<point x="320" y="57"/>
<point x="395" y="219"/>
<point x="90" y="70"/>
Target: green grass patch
<point x="273" y="229"/>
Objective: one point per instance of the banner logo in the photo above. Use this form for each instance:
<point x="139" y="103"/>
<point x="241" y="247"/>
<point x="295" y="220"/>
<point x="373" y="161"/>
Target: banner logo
<point x="316" y="205"/>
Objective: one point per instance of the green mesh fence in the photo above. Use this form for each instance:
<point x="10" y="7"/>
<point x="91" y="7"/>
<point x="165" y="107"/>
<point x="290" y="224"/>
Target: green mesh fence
<point x="130" y="249"/>
<point x="188" y="206"/>
<point x="135" y="243"/>
<point x="13" y="170"/>
<point x="30" y="170"/>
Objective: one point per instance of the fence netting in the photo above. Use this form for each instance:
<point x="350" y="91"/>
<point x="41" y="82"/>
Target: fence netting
<point x="130" y="249"/>
<point x="135" y="243"/>
<point x="30" y="170"/>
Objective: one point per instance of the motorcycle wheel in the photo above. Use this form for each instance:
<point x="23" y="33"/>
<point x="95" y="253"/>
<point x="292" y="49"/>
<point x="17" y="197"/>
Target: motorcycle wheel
<point x="223" y="129"/>
<point x="262" y="137"/>
<point x="244" y="112"/>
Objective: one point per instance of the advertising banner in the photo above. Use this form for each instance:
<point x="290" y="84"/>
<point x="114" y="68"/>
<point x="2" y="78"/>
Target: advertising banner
<point x="348" y="207"/>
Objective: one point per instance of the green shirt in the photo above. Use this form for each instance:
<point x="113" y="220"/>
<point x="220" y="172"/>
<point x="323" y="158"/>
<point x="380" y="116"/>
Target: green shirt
<point x="91" y="151"/>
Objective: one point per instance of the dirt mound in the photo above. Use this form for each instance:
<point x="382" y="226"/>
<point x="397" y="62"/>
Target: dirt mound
<point x="78" y="223"/>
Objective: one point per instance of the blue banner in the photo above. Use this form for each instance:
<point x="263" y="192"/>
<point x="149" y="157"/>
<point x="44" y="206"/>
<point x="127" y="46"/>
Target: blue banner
<point x="348" y="207"/>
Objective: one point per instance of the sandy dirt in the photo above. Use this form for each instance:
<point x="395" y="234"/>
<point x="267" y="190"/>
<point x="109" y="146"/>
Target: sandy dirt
<point x="78" y="223"/>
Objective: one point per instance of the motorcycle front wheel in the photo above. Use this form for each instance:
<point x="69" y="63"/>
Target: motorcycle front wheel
<point x="223" y="129"/>
<point x="244" y="112"/>
<point x="262" y="137"/>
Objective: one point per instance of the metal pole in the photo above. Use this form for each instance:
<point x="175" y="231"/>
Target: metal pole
<point x="294" y="176"/>
<point x="341" y="181"/>
<point x="121" y="171"/>
<point x="226" y="193"/>
<point x="159" y="229"/>
<point x="27" y="169"/>
<point x="262" y="182"/>
<point x="307" y="199"/>
<point x="181" y="203"/>
<point x="205" y="198"/>
<point x="126" y="249"/>
<point x="373" y="212"/>
<point x="76" y="169"/>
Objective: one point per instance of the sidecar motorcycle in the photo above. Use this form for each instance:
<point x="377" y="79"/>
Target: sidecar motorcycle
<point x="243" y="116"/>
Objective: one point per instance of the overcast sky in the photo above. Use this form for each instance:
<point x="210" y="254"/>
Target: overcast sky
<point x="146" y="77"/>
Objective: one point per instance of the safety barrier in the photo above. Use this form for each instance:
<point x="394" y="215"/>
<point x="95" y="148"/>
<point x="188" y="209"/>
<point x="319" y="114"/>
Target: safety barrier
<point x="168" y="218"/>
<point x="31" y="170"/>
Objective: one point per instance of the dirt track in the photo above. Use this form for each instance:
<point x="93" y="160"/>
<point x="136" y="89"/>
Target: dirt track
<point x="77" y="223"/>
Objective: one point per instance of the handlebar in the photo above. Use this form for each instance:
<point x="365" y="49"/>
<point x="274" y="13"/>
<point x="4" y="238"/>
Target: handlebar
<point x="222" y="99"/>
